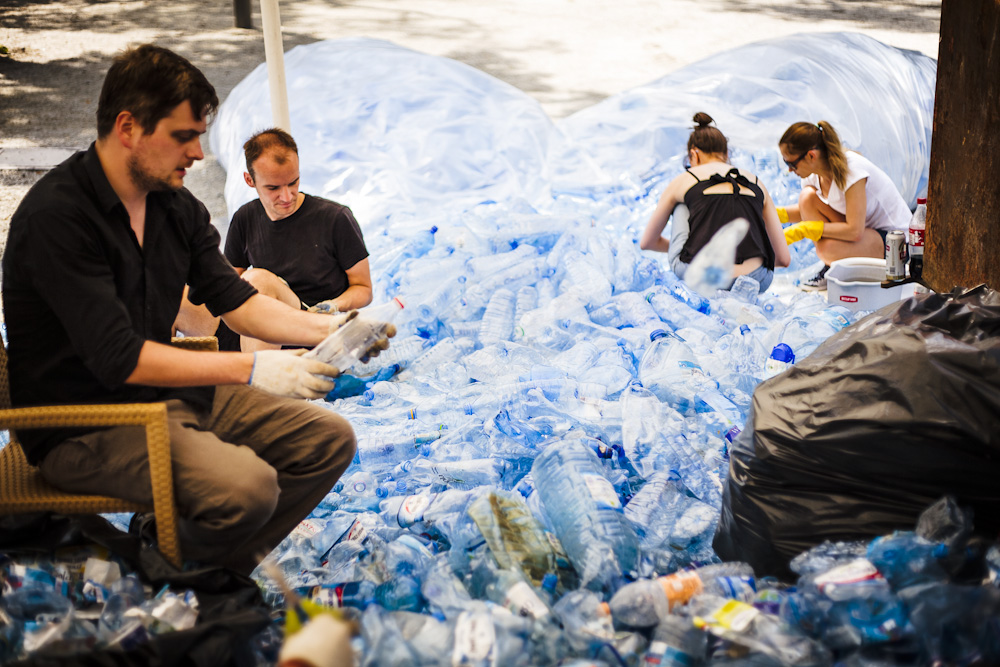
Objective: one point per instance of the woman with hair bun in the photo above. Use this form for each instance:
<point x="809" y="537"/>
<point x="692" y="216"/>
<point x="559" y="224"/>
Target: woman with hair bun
<point x="847" y="204"/>
<point x="708" y="195"/>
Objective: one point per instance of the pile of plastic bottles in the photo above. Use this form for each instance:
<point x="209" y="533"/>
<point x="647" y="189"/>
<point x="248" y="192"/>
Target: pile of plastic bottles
<point x="80" y="601"/>
<point x="543" y="448"/>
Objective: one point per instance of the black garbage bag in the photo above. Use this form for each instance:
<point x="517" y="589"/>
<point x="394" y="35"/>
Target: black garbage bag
<point x="231" y="611"/>
<point x="857" y="439"/>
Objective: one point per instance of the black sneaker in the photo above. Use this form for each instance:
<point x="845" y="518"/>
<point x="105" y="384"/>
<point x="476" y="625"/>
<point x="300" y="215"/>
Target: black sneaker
<point x="816" y="283"/>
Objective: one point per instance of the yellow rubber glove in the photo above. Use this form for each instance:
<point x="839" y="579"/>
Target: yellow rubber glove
<point x="782" y="214"/>
<point x="807" y="229"/>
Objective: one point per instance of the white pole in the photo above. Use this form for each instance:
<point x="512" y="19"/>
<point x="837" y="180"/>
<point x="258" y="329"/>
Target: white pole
<point x="275" y="56"/>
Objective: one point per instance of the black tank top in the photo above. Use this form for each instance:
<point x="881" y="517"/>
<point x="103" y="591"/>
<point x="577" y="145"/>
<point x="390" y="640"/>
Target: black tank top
<point x="710" y="212"/>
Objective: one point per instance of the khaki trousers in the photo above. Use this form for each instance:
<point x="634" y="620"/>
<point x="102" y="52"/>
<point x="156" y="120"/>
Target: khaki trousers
<point x="245" y="474"/>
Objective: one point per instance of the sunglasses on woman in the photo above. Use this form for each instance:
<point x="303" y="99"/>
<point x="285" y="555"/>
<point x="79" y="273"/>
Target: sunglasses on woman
<point x="794" y="164"/>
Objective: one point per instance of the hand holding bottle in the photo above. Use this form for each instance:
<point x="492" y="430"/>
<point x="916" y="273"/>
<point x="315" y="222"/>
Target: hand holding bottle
<point x="288" y="373"/>
<point x="355" y="337"/>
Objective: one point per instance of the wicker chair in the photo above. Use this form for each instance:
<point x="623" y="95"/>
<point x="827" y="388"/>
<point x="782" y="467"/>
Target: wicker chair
<point x="22" y="488"/>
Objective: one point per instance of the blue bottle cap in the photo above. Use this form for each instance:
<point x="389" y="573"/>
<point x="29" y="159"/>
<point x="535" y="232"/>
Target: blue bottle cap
<point x="434" y="229"/>
<point x="782" y="352"/>
<point x="656" y="333"/>
<point x="744" y="329"/>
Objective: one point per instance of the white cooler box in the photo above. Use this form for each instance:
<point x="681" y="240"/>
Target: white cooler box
<point x="855" y="284"/>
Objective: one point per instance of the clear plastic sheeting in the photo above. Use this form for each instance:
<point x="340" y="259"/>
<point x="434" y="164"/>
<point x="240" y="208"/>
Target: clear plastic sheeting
<point x="880" y="99"/>
<point x="390" y="131"/>
<point x="385" y="130"/>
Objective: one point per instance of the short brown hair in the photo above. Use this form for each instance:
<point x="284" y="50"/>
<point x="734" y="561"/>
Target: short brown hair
<point x="273" y="137"/>
<point x="150" y="81"/>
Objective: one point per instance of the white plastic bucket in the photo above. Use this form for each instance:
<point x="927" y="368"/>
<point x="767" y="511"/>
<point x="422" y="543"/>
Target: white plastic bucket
<point x="855" y="284"/>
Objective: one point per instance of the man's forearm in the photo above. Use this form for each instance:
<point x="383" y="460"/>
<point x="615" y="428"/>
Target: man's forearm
<point x="165" y="366"/>
<point x="355" y="296"/>
<point x="273" y="321"/>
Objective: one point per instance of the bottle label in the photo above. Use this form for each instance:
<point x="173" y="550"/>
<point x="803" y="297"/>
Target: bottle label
<point x="858" y="572"/>
<point x="307" y="529"/>
<point x="916" y="238"/>
<point x="475" y="639"/>
<point x="660" y="653"/>
<point x="735" y="615"/>
<point x="774" y="367"/>
<point x="523" y="601"/>
<point x="680" y="587"/>
<point x="738" y="588"/>
<point x="412" y="510"/>
<point x="356" y="533"/>
<point x="328" y="596"/>
<point x="602" y="492"/>
<point x="690" y="369"/>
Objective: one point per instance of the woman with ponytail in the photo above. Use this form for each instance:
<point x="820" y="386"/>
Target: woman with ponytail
<point x="847" y="204"/>
<point x="708" y="195"/>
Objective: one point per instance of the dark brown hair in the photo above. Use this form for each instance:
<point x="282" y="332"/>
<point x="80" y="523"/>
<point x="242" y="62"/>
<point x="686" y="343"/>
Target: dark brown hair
<point x="803" y="137"/>
<point x="706" y="138"/>
<point x="266" y="139"/>
<point x="150" y="81"/>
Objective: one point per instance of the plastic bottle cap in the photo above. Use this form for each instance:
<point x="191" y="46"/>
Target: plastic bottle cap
<point x="434" y="229"/>
<point x="656" y="333"/>
<point x="744" y="329"/>
<point x="921" y="200"/>
<point x="782" y="352"/>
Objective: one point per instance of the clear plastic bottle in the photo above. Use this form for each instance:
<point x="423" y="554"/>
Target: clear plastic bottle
<point x="416" y="246"/>
<point x="527" y="299"/>
<point x="644" y="603"/>
<point x="670" y="369"/>
<point x="745" y="289"/>
<point x="745" y="625"/>
<point x="585" y="279"/>
<point x="586" y="513"/>
<point x="345" y="346"/>
<point x="676" y="643"/>
<point x="915" y="240"/>
<point x="498" y="320"/>
<point x="401" y="352"/>
<point x="435" y="304"/>
<point x="512" y="592"/>
<point x="356" y="594"/>
<point x="653" y="510"/>
<point x="644" y="421"/>
<point x="401" y="592"/>
<point x="781" y="359"/>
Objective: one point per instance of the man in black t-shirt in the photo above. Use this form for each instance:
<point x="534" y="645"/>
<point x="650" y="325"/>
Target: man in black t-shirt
<point x="303" y="250"/>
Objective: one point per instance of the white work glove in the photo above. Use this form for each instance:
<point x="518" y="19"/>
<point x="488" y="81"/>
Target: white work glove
<point x="323" y="642"/>
<point x="286" y="373"/>
<point x="340" y="319"/>
<point x="328" y="307"/>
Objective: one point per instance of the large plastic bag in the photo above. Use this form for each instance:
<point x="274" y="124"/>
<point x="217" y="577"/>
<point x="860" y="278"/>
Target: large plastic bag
<point x="384" y="129"/>
<point x="880" y="99"/>
<point x="393" y="132"/>
<point x="858" y="438"/>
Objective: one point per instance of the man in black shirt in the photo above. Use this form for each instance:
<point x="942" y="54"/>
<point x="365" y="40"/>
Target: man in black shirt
<point x="97" y="258"/>
<point x="303" y="250"/>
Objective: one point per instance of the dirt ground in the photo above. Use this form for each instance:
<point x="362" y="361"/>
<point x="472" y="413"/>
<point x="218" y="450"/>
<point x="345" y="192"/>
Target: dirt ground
<point x="568" y="54"/>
